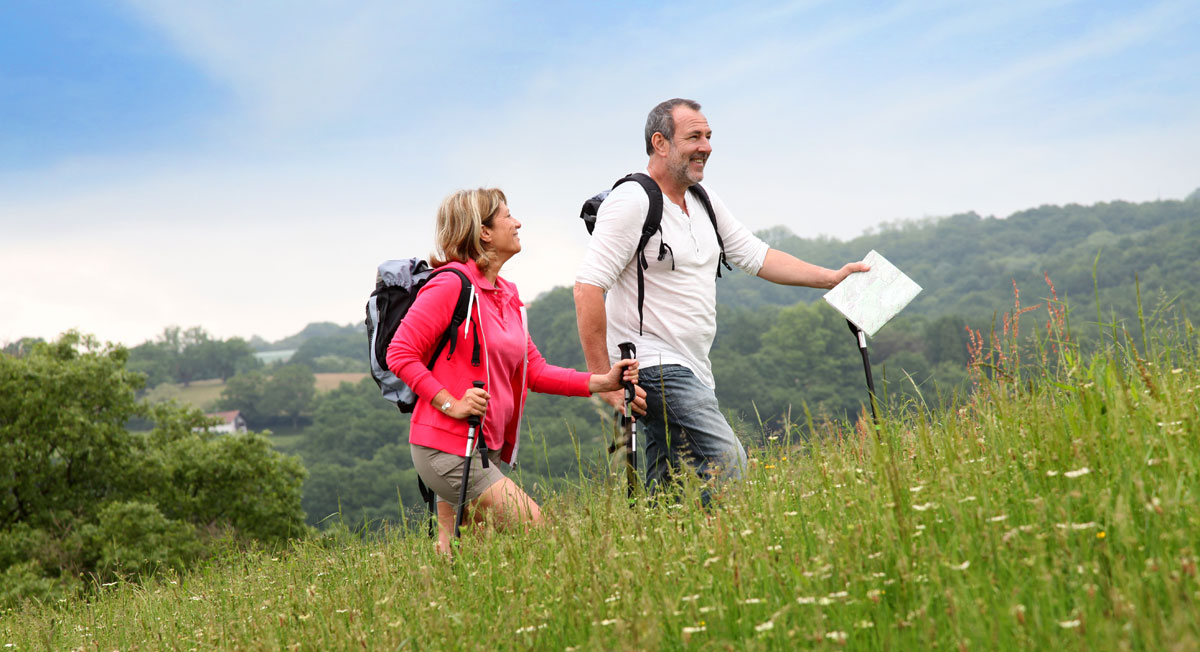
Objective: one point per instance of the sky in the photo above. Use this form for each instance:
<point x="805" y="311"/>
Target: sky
<point x="244" y="166"/>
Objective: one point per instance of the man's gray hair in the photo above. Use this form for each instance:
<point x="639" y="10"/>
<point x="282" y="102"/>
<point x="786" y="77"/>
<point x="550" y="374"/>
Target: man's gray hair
<point x="660" y="120"/>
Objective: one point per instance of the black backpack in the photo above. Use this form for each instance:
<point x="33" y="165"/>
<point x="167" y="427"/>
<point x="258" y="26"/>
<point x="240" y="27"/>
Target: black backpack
<point x="652" y="225"/>
<point x="396" y="286"/>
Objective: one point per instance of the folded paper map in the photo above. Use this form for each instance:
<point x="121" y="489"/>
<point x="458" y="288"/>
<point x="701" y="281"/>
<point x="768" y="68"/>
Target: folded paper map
<point x="870" y="299"/>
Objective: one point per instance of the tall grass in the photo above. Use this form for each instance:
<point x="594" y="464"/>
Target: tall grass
<point x="1058" y="509"/>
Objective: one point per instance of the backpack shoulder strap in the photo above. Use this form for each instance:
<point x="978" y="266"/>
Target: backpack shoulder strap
<point x="651" y="225"/>
<point x="702" y="195"/>
<point x="461" y="308"/>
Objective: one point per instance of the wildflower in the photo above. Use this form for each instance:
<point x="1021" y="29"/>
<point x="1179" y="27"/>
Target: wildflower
<point x="746" y="533"/>
<point x="613" y="598"/>
<point x="1051" y="473"/>
<point x="690" y="598"/>
<point x="916" y="488"/>
<point x="790" y="513"/>
<point x="1076" y="526"/>
<point x="1077" y="472"/>
<point x="694" y="630"/>
<point x="924" y="507"/>
<point x="706" y="609"/>
<point x="960" y="567"/>
<point x="864" y="624"/>
<point x="997" y="519"/>
<point x="968" y="499"/>
<point x="764" y="627"/>
<point x="837" y="637"/>
<point x="1069" y="624"/>
<point x="775" y="548"/>
<point x="752" y="601"/>
<point x="710" y="561"/>
<point x="768" y="466"/>
<point x="875" y="555"/>
<point x="1100" y="534"/>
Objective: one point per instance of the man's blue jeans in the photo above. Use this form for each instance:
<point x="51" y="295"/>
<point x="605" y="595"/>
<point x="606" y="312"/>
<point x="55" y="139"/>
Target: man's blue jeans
<point x="684" y="425"/>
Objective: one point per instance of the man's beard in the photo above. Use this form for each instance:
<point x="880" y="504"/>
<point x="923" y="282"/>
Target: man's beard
<point x="682" y="171"/>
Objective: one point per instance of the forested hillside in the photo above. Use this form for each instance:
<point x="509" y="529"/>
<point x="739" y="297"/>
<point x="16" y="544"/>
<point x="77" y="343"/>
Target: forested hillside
<point x="964" y="262"/>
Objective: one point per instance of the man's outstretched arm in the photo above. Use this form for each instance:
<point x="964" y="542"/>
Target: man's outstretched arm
<point x="786" y="269"/>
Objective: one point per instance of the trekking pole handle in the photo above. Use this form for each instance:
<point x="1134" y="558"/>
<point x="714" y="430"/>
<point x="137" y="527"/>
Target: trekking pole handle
<point x="474" y="421"/>
<point x="628" y="350"/>
<point x="474" y="418"/>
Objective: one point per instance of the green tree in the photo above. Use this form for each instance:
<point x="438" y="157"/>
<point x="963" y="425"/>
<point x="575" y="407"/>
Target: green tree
<point x="79" y="494"/>
<point x="246" y="392"/>
<point x="290" y="392"/>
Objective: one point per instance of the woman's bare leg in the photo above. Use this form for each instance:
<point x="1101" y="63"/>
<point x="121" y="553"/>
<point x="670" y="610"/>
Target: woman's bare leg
<point x="506" y="505"/>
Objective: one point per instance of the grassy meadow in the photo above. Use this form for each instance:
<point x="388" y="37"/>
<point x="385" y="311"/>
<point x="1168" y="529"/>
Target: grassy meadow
<point x="1057" y="509"/>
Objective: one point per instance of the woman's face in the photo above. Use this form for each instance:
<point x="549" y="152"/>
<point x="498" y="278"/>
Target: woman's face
<point x="501" y="234"/>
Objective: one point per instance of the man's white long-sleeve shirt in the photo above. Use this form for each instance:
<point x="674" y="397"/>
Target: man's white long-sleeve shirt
<point x="680" y="305"/>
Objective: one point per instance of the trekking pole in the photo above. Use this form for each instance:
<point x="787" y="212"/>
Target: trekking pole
<point x="862" y="347"/>
<point x="628" y="350"/>
<point x="472" y="427"/>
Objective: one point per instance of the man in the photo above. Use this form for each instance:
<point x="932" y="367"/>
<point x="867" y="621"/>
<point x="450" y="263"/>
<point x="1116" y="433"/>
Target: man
<point x="679" y="415"/>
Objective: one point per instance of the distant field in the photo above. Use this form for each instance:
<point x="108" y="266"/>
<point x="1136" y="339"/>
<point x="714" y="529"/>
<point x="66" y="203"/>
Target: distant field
<point x="203" y="394"/>
<point x="326" y="382"/>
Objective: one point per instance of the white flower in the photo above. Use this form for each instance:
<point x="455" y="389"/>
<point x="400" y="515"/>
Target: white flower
<point x="839" y="637"/>
<point x="805" y="600"/>
<point x="997" y="519"/>
<point x="1077" y="472"/>
<point x="747" y="533"/>
<point x="1051" y="473"/>
<point x="961" y="567"/>
<point x="1069" y="624"/>
<point x="968" y="499"/>
<point x="864" y="624"/>
<point x="694" y="630"/>
<point x="752" y="601"/>
<point x="1076" y="526"/>
<point x="916" y="488"/>
<point x="606" y="623"/>
<point x="924" y="507"/>
<point x="767" y="626"/>
<point x="690" y="598"/>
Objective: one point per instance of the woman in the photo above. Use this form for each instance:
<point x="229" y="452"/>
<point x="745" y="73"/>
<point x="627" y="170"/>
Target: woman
<point x="477" y="234"/>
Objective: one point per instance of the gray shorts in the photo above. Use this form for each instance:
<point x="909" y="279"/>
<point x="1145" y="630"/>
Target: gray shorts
<point x="442" y="472"/>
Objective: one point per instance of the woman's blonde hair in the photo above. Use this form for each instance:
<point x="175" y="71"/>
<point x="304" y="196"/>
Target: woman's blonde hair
<point x="460" y="222"/>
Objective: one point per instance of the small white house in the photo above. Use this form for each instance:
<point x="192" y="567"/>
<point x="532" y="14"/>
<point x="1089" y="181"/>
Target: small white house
<point x="230" y="422"/>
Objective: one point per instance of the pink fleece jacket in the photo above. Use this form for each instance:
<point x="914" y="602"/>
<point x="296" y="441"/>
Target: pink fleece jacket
<point x="492" y="313"/>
